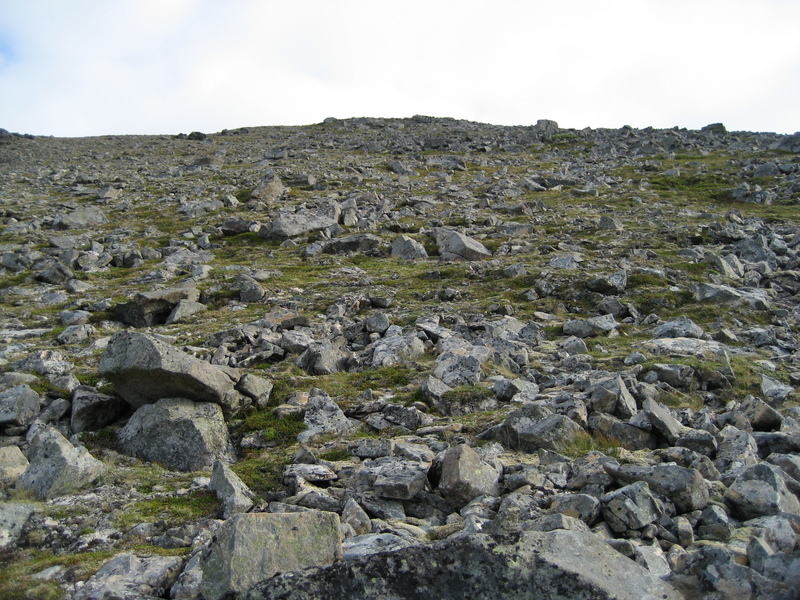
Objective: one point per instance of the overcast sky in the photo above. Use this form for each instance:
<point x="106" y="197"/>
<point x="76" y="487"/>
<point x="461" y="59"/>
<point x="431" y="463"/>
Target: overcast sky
<point x="93" y="67"/>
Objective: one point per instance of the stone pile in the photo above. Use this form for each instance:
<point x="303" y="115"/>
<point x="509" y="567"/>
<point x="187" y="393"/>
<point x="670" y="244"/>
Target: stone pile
<point x="517" y="358"/>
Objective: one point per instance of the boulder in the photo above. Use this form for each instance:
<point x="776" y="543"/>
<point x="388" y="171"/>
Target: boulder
<point x="761" y="490"/>
<point x="12" y="464"/>
<point x="144" y="369"/>
<point x="127" y="576"/>
<point x="19" y="405"/>
<point x="81" y="218"/>
<point x="406" y="248"/>
<point x="684" y="487"/>
<point x="528" y="430"/>
<point x="57" y="467"/>
<point x="323" y="416"/>
<point x="177" y="433"/>
<point x="236" y="497"/>
<point x="553" y="564"/>
<point x="13" y="517"/>
<point x="391" y="351"/>
<point x="593" y="326"/>
<point x="146" y="309"/>
<point x="250" y="548"/>
<point x="466" y="476"/>
<point x="457" y="246"/>
<point x="631" y="507"/>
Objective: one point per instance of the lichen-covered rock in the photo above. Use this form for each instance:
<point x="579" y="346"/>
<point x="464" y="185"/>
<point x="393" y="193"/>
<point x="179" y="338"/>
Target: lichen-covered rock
<point x="556" y="564"/>
<point x="466" y="476"/>
<point x="57" y="467"/>
<point x="250" y="548"/>
<point x="127" y="576"/>
<point x="144" y="369"/>
<point x="177" y="433"/>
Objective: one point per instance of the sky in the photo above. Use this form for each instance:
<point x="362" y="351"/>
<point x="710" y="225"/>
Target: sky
<point x="95" y="67"/>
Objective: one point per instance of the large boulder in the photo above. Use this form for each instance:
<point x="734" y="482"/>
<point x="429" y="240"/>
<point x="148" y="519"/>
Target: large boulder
<point x="178" y="434"/>
<point x="250" y="548"/>
<point x="759" y="491"/>
<point x="144" y="369"/>
<point x="406" y="248"/>
<point x="323" y="416"/>
<point x="57" y="467"/>
<point x="19" y="405"/>
<point x="553" y="564"/>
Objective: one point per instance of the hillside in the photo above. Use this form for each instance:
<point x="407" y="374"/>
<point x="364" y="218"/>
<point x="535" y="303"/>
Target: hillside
<point x="221" y="352"/>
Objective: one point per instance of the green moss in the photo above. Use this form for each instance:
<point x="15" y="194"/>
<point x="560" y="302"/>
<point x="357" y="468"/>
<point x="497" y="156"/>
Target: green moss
<point x="585" y="443"/>
<point x="334" y="455"/>
<point x="173" y="510"/>
<point x="282" y="430"/>
<point x="263" y="472"/>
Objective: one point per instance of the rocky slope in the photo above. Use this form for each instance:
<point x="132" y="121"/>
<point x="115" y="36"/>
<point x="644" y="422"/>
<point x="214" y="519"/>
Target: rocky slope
<point x="417" y="358"/>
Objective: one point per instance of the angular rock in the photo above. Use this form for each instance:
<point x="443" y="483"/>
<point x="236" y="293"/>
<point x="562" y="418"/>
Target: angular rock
<point x="682" y="327"/>
<point x="759" y="491"/>
<point x="457" y="246"/>
<point x="391" y="351"/>
<point x="57" y="467"/>
<point x="662" y="420"/>
<point x="19" y="405"/>
<point x="406" y="248"/>
<point x="177" y="433"/>
<point x="400" y="479"/>
<point x="528" y="430"/>
<point x="146" y="309"/>
<point x="13" y="517"/>
<point x="584" y="328"/>
<point x="574" y="564"/>
<point x="250" y="548"/>
<point x="323" y="416"/>
<point x="609" y="284"/>
<point x="144" y="369"/>
<point x="465" y="476"/>
<point x="12" y="464"/>
<point x="631" y="507"/>
<point x="235" y="495"/>
<point x="684" y="487"/>
<point x="127" y="576"/>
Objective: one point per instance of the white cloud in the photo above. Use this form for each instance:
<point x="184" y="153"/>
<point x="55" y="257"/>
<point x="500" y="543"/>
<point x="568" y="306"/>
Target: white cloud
<point x="163" y="66"/>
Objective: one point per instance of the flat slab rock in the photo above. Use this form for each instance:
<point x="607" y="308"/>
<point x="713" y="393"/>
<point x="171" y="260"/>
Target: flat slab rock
<point x="557" y="564"/>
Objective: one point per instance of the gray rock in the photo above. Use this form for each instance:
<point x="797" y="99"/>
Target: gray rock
<point x="529" y="429"/>
<point x="256" y="388"/>
<point x="574" y="564"/>
<point x="580" y="506"/>
<point x="609" y="284"/>
<point x="129" y="577"/>
<point x="81" y="218"/>
<point x="684" y="487"/>
<point x="12" y="464"/>
<point x="323" y="416"/>
<point x="406" y="248"/>
<point x="682" y="327"/>
<point x="297" y="224"/>
<point x="723" y="294"/>
<point x="392" y="351"/>
<point x="44" y="362"/>
<point x="235" y="495"/>
<point x="75" y="334"/>
<point x="251" y="548"/>
<point x="591" y="327"/>
<point x="775" y="390"/>
<point x="144" y="369"/>
<point x="466" y="476"/>
<point x="268" y="189"/>
<point x="183" y="310"/>
<point x="356" y="517"/>
<point x="146" y="309"/>
<point x="761" y="490"/>
<point x="662" y="420"/>
<point x="457" y="246"/>
<point x="399" y="478"/>
<point x="736" y="449"/>
<point x="461" y="365"/>
<point x="627" y="435"/>
<point x="19" y="405"/>
<point x="366" y="243"/>
<point x="177" y="433"/>
<point x="57" y="467"/>
<point x="323" y="358"/>
<point x="760" y="414"/>
<point x="631" y="507"/>
<point x="13" y="517"/>
<point x="360" y="546"/>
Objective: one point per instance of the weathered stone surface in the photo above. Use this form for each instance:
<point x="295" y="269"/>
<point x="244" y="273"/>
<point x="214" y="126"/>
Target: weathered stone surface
<point x="631" y="507"/>
<point x="555" y="564"/>
<point x="323" y="416"/>
<point x="391" y="351"/>
<point x="146" y="309"/>
<point x="466" y="476"/>
<point x="457" y="246"/>
<point x="144" y="369"/>
<point x="19" y="405"/>
<point x="399" y="478"/>
<point x="251" y="548"/>
<point x="407" y="248"/>
<point x="593" y="326"/>
<point x="684" y="487"/>
<point x="662" y="420"/>
<point x="13" y="517"/>
<point x="127" y="576"/>
<point x="529" y="429"/>
<point x="57" y="467"/>
<point x="761" y="490"/>
<point x="235" y="495"/>
<point x="12" y="464"/>
<point x="177" y="433"/>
